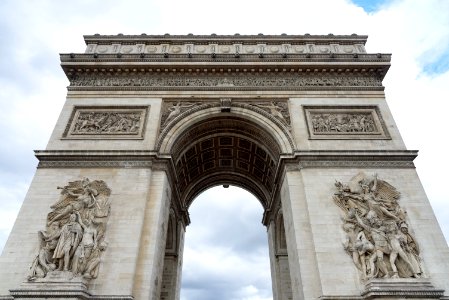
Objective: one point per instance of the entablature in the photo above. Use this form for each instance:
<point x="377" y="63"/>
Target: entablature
<point x="216" y="62"/>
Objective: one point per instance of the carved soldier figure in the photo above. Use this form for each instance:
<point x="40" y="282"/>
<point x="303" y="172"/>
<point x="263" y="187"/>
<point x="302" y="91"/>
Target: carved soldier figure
<point x="396" y="240"/>
<point x="44" y="262"/>
<point x="412" y="249"/>
<point x="377" y="231"/>
<point x="69" y="238"/>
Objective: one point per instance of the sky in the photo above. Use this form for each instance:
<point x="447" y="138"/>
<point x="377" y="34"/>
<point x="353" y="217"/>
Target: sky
<point x="33" y="89"/>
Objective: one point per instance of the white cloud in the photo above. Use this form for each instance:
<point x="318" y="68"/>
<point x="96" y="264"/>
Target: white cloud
<point x="218" y="260"/>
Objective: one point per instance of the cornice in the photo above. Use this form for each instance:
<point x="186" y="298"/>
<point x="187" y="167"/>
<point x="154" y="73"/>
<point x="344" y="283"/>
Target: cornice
<point x="100" y="159"/>
<point x="355" y="159"/>
<point x="296" y="156"/>
<point x="166" y="38"/>
<point x="282" y="58"/>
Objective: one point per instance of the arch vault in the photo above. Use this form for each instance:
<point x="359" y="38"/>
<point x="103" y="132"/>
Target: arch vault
<point x="299" y="121"/>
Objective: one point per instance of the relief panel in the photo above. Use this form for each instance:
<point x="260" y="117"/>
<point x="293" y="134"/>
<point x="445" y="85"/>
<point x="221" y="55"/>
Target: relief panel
<point x="107" y="122"/>
<point x="378" y="239"/>
<point x="345" y="122"/>
<point x="74" y="239"/>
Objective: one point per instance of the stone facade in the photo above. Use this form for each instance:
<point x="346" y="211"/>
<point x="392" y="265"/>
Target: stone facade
<point x="152" y="121"/>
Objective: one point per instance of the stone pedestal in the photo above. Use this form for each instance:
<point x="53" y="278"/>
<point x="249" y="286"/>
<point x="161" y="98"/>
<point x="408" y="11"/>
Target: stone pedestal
<point x="56" y="285"/>
<point x="401" y="289"/>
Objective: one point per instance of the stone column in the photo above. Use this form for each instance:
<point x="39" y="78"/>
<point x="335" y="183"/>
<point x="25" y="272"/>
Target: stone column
<point x="301" y="252"/>
<point x="273" y="263"/>
<point x="150" y="262"/>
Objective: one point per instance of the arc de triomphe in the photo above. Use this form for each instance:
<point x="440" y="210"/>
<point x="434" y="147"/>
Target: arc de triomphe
<point x="150" y="122"/>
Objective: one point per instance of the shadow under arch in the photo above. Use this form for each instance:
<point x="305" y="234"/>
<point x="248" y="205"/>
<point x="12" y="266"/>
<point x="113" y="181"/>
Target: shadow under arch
<point x="210" y="147"/>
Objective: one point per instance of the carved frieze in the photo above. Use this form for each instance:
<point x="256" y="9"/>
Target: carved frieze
<point x="233" y="80"/>
<point x="378" y="239"/>
<point x="345" y="122"/>
<point x="106" y="123"/>
<point x="74" y="239"/>
<point x="226" y="48"/>
<point x="275" y="109"/>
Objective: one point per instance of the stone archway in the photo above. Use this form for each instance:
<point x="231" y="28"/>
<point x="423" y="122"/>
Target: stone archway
<point x="152" y="120"/>
<point x="237" y="146"/>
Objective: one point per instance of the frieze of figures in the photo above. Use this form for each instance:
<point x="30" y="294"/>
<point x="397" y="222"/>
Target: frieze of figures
<point x="378" y="238"/>
<point x="162" y="80"/>
<point x="74" y="238"/>
<point x="344" y="122"/>
<point x="127" y="122"/>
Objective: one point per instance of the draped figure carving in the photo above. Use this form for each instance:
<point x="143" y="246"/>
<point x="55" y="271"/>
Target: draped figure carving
<point x="75" y="233"/>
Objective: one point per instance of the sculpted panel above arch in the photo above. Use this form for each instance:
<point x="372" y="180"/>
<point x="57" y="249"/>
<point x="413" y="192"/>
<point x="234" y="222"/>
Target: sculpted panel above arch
<point x="261" y="111"/>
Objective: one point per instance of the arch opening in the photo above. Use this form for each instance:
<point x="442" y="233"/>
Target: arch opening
<point x="239" y="148"/>
<point x="226" y="252"/>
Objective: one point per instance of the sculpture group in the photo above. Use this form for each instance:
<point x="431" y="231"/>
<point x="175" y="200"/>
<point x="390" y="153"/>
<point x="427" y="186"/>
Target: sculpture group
<point x="107" y="122"/>
<point x="377" y="235"/>
<point x="74" y="237"/>
<point x="343" y="122"/>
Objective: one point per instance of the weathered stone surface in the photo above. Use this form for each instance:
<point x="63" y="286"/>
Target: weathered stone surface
<point x="158" y="119"/>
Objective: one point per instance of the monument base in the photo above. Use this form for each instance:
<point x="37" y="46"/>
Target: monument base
<point x="401" y="288"/>
<point x="59" y="285"/>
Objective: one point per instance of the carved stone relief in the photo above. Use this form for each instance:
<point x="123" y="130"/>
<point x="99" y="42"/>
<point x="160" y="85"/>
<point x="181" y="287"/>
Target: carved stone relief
<point x="225" y="49"/>
<point x="236" y="80"/>
<point x="74" y="238"/>
<point x="345" y="122"/>
<point x="377" y="234"/>
<point x="277" y="109"/>
<point x="106" y="122"/>
<point x="172" y="109"/>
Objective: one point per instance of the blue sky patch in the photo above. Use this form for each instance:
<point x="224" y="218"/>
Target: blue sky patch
<point x="369" y="5"/>
<point x="438" y="66"/>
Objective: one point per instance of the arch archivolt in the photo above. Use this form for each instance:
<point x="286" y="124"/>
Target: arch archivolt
<point x="239" y="144"/>
<point x="278" y="129"/>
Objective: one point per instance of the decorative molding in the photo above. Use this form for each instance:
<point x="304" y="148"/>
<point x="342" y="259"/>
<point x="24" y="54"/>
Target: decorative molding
<point x="95" y="164"/>
<point x="58" y="293"/>
<point x="215" y="47"/>
<point x="100" y="159"/>
<point x="401" y="288"/>
<point x="345" y="122"/>
<point x="355" y="164"/>
<point x="232" y="80"/>
<point x="226" y="104"/>
<point x="106" y="122"/>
